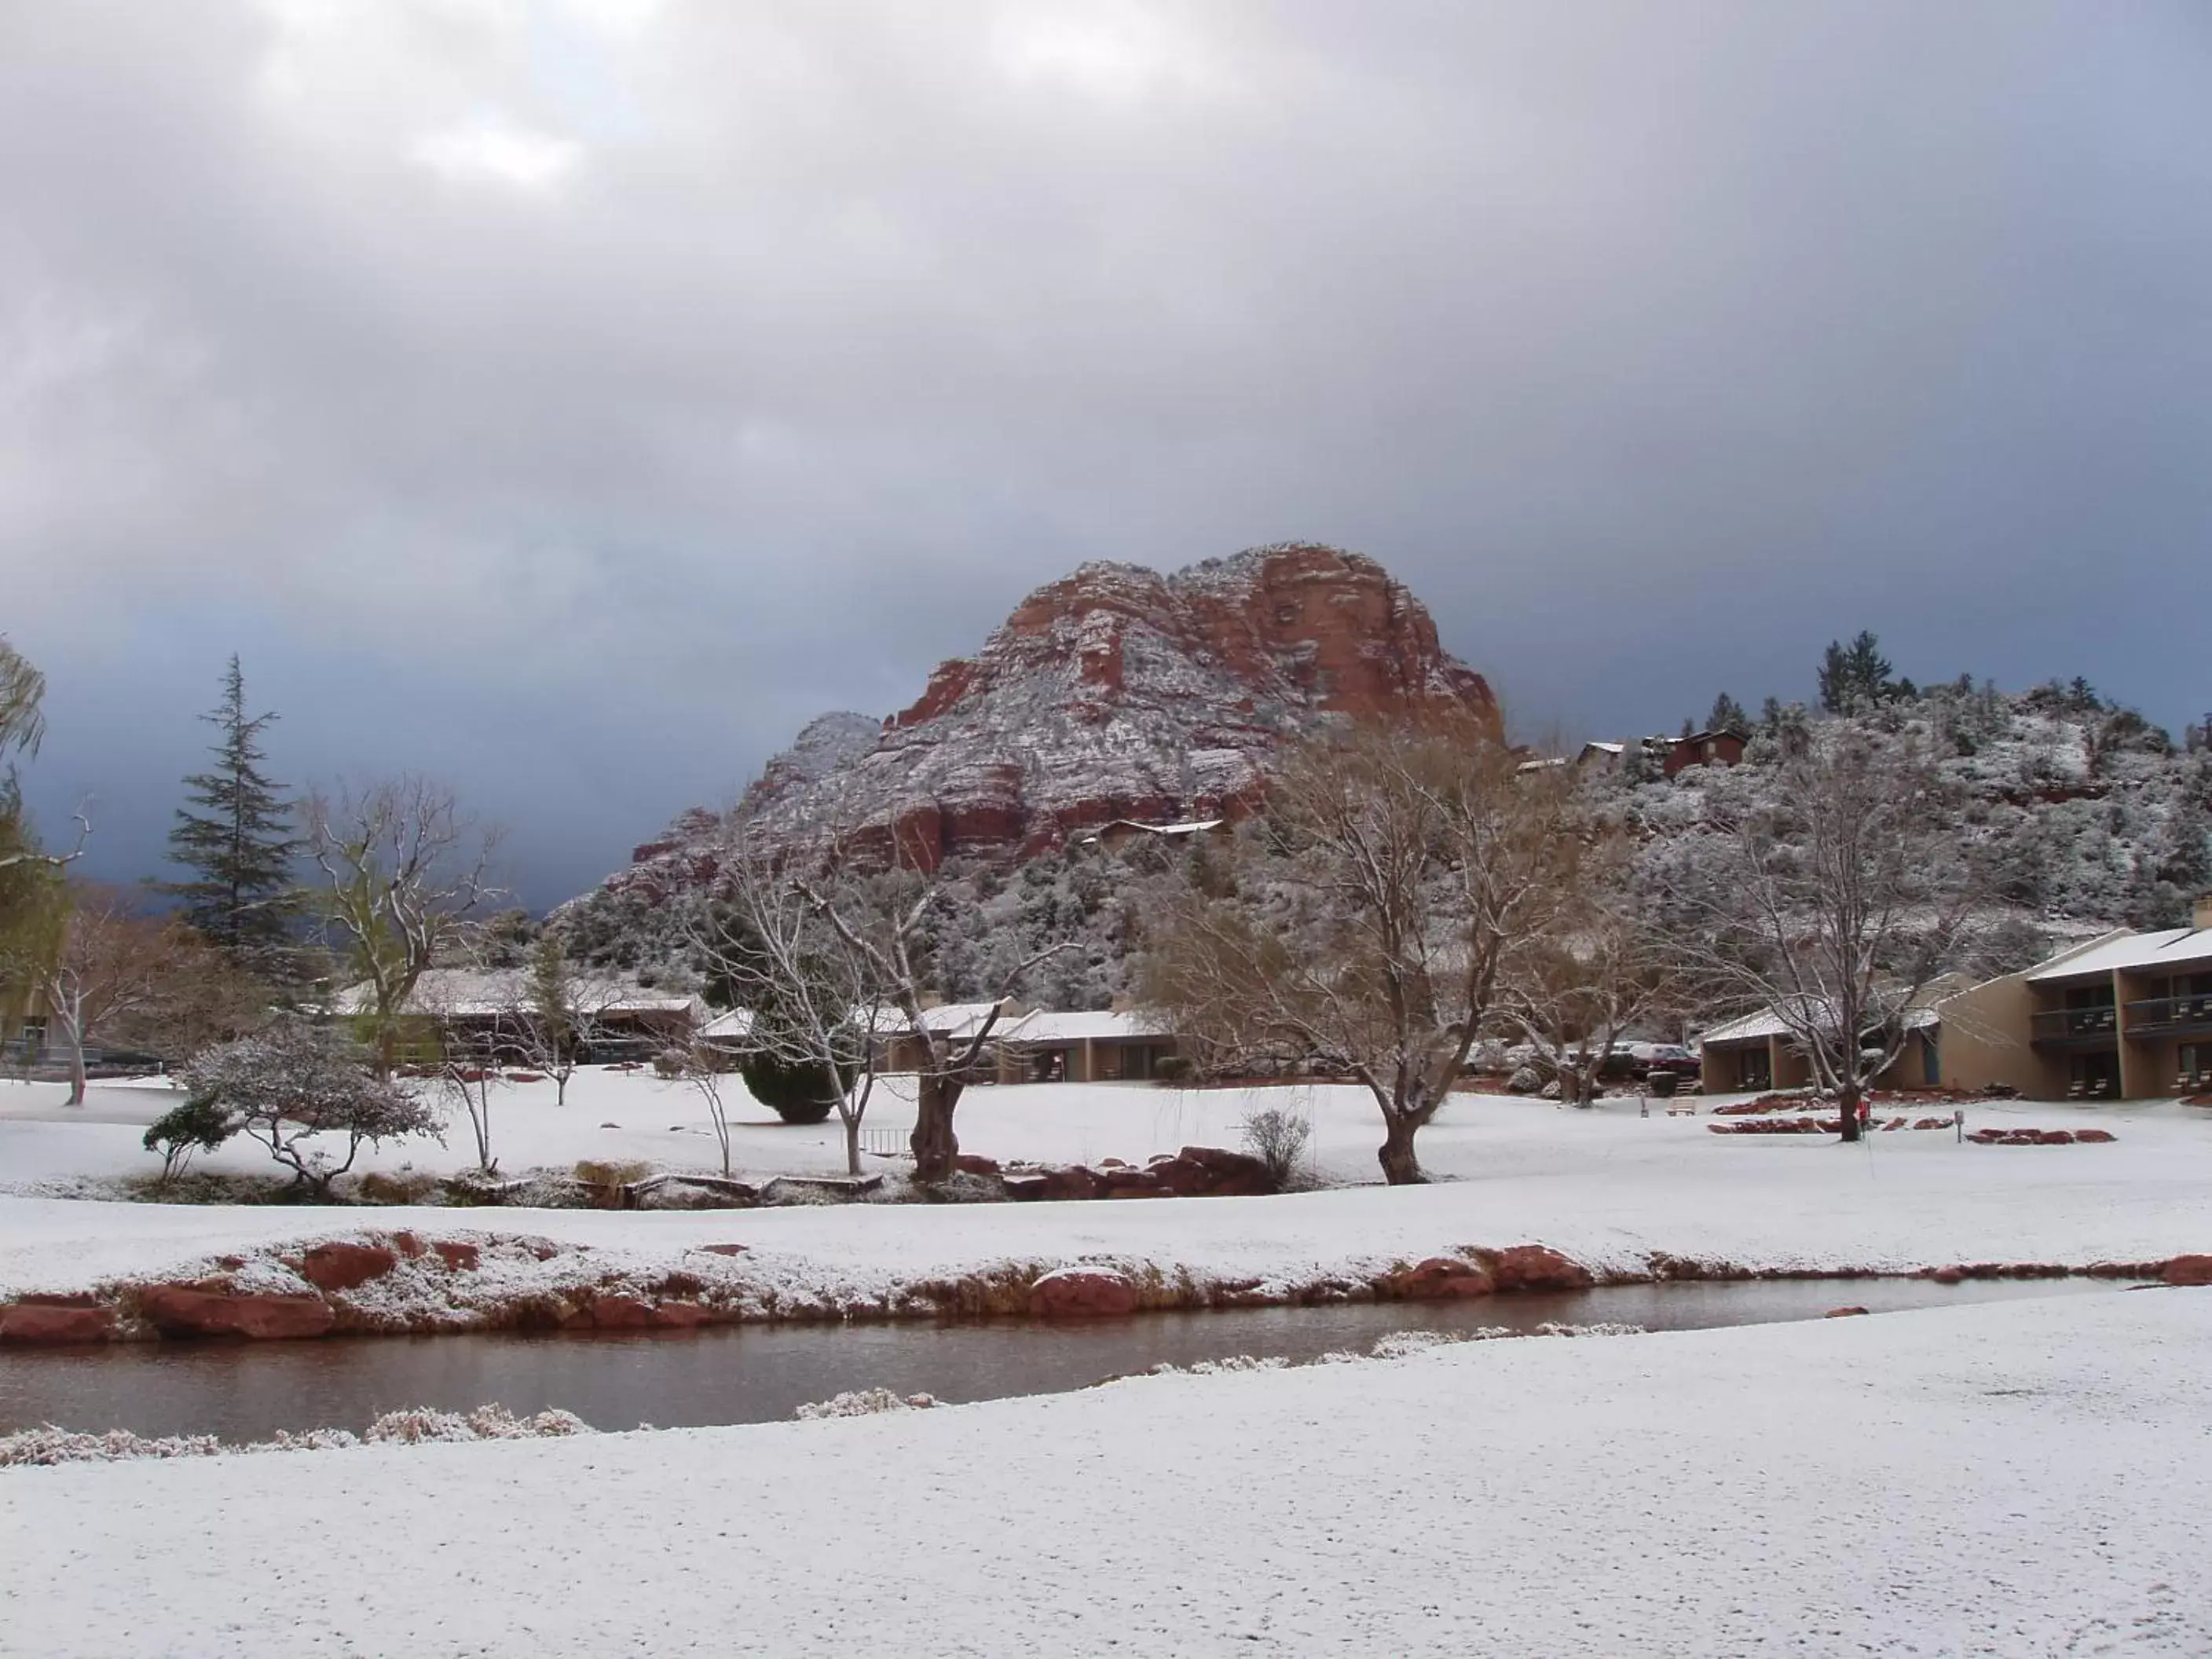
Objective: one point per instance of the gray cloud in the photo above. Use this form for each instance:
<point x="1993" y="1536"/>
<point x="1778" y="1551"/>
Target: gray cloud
<point x="571" y="397"/>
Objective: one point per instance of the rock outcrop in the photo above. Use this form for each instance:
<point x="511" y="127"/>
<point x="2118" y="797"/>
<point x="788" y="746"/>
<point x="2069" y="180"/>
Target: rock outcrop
<point x="1116" y="692"/>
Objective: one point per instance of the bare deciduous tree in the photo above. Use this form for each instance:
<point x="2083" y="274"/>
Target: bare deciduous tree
<point x="1406" y="868"/>
<point x="102" y="962"/>
<point x="402" y="867"/>
<point x="560" y="1010"/>
<point x="813" y="994"/>
<point x="1834" y="898"/>
<point x="862" y="934"/>
<point x="1602" y="968"/>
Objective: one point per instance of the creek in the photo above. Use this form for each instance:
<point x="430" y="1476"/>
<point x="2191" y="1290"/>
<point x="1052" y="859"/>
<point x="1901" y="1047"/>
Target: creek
<point x="761" y="1373"/>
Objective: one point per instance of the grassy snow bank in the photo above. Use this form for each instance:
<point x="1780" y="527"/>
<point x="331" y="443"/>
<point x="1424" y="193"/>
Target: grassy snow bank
<point x="2011" y="1479"/>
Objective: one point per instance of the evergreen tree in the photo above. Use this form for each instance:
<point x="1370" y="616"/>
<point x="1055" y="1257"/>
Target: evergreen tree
<point x="1855" y="678"/>
<point x="239" y="843"/>
<point x="1727" y="715"/>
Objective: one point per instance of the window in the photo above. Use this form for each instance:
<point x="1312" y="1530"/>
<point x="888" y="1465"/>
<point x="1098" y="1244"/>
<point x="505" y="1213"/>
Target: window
<point x="2094" y="1076"/>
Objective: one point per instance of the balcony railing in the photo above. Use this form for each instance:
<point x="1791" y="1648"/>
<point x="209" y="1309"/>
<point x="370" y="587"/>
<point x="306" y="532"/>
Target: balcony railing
<point x="2163" y="1014"/>
<point x="2074" y="1025"/>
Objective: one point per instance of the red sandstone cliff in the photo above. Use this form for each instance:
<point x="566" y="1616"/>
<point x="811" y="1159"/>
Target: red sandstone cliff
<point x="1116" y="692"/>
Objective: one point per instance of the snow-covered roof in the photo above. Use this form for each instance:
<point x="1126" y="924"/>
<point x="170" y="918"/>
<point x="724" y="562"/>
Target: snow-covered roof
<point x="731" y="1026"/>
<point x="480" y="993"/>
<point x="1768" y="1022"/>
<point x="957" y="1019"/>
<point x="2168" y="948"/>
<point x="1603" y="747"/>
<point x="1049" y="1026"/>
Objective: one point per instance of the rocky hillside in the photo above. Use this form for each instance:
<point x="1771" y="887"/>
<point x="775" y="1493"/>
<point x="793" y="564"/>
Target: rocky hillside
<point x="1114" y="692"/>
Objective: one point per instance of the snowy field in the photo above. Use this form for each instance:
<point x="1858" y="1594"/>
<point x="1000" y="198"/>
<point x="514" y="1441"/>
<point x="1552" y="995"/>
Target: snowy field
<point x="1606" y="1186"/>
<point x="2019" y="1478"/>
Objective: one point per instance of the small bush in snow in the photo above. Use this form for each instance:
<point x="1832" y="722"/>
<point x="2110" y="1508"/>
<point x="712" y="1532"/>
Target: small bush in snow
<point x="195" y="1125"/>
<point x="1524" y="1081"/>
<point x="864" y="1402"/>
<point x="1277" y="1139"/>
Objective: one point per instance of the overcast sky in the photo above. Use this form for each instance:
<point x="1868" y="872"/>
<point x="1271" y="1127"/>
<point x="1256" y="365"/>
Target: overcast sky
<point x="571" y="399"/>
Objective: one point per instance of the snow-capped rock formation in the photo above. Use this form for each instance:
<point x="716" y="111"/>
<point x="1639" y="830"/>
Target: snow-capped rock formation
<point x="1114" y="692"/>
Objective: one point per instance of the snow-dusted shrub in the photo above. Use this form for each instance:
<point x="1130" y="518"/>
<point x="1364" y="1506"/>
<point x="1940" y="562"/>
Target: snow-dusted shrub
<point x="1524" y="1080"/>
<point x="864" y="1402"/>
<point x="1398" y="1345"/>
<point x="1227" y="1364"/>
<point x="421" y="1423"/>
<point x="49" y="1444"/>
<point x="1277" y="1139"/>
<point x="296" y="1079"/>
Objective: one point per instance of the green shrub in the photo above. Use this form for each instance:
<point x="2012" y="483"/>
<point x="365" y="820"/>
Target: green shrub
<point x="200" y="1124"/>
<point x="796" y="1092"/>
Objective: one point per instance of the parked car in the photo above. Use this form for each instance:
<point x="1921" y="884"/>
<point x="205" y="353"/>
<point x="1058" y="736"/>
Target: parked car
<point x="1670" y="1057"/>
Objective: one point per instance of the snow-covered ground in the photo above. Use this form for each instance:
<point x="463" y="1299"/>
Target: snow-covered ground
<point x="2019" y="1478"/>
<point x="1608" y="1187"/>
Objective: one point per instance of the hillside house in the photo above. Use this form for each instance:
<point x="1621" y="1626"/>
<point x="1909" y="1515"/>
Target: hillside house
<point x="1721" y="747"/>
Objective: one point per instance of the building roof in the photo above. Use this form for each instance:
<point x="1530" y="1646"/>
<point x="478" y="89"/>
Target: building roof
<point x="960" y="1019"/>
<point x="1048" y="1025"/>
<point x="1764" y="1023"/>
<point x="482" y="993"/>
<point x="2168" y="948"/>
<point x="731" y="1026"/>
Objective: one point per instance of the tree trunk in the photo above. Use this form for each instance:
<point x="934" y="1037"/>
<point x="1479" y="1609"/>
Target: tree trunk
<point x="935" y="1146"/>
<point x="853" y="1145"/>
<point x="1400" y="1167"/>
<point x="72" y="1036"/>
<point x="1847" y="1105"/>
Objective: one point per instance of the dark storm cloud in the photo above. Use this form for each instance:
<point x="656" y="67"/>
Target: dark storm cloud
<point x="572" y="398"/>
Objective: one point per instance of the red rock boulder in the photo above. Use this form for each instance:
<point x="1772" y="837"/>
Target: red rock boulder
<point x="1439" y="1278"/>
<point x="342" y="1267"/>
<point x="1082" y="1293"/>
<point x="1843" y="1312"/>
<point x="2189" y="1270"/>
<point x="458" y="1256"/>
<point x="180" y="1310"/>
<point x="56" y="1319"/>
<point x="1538" y="1268"/>
<point x="2096" y="1137"/>
<point x="621" y="1313"/>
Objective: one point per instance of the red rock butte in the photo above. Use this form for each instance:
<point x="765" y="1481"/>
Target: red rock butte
<point x="1116" y="692"/>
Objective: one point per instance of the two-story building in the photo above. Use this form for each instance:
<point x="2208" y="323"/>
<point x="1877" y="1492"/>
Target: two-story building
<point x="2127" y="1015"/>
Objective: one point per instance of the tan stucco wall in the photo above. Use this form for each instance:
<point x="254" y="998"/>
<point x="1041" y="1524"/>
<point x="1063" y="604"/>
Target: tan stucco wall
<point x="1984" y="1040"/>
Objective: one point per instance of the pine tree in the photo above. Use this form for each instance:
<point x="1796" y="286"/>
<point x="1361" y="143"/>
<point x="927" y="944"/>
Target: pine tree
<point x="1854" y="678"/>
<point x="1727" y="715"/>
<point x="239" y="844"/>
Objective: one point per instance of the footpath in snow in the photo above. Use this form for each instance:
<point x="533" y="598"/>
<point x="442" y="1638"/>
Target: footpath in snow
<point x="2024" y="1478"/>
